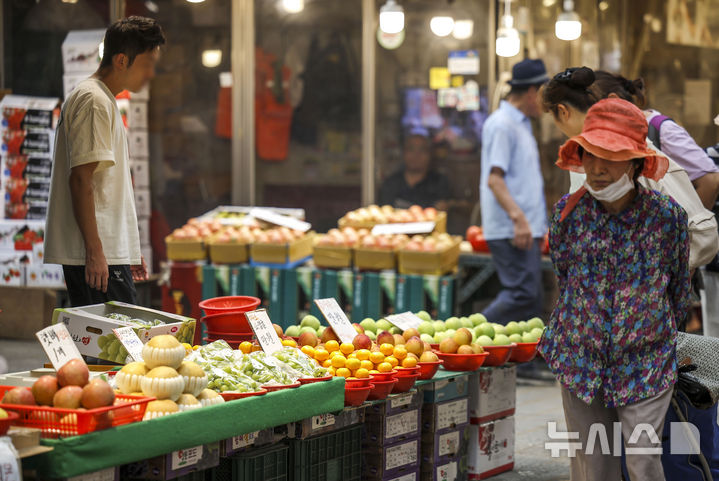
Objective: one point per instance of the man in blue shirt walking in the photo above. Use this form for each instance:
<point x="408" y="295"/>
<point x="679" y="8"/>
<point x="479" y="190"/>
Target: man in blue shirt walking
<point x="514" y="215"/>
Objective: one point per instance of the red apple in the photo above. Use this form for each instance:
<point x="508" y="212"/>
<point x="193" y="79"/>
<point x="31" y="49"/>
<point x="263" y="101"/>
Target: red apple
<point x="44" y="389"/>
<point x="362" y="341"/>
<point x="73" y="373"/>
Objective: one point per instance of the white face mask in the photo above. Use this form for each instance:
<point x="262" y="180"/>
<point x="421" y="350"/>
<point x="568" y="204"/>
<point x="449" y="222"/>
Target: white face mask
<point x="612" y="192"/>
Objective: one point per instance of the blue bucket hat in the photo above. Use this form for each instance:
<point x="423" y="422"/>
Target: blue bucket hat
<point x="528" y="72"/>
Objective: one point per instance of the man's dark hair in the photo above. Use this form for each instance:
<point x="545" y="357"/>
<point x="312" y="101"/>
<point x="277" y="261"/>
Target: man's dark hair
<point x="131" y="36"/>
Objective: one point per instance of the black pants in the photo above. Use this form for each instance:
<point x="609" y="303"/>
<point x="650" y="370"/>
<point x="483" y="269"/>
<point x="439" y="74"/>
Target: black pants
<point x="120" y="286"/>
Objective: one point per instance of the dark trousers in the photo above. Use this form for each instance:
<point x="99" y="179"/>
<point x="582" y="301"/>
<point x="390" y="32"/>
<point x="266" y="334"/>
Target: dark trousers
<point x="520" y="273"/>
<point x="120" y="286"/>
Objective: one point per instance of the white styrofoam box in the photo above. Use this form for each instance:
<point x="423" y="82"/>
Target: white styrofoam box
<point x="25" y="112"/>
<point x="140" y="169"/>
<point x="44" y="275"/>
<point x="147" y="254"/>
<point x="9" y="228"/>
<point x="12" y="274"/>
<point x="70" y="81"/>
<point x="81" y="50"/>
<point x="143" y="225"/>
<point x="123" y="105"/>
<point x="142" y="203"/>
<point x="137" y="114"/>
<point x="139" y="146"/>
<point x="492" y="393"/>
<point x="491" y="448"/>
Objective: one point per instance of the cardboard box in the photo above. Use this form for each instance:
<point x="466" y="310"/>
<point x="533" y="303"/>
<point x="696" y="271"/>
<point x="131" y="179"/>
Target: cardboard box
<point x="142" y="203"/>
<point x="392" y="428"/>
<point x="25" y="311"/>
<point x="492" y="393"/>
<point x="282" y="253"/>
<point x="324" y="423"/>
<point x="175" y="464"/>
<point x="81" y="51"/>
<point x="227" y="252"/>
<point x="440" y="223"/>
<point x="185" y="249"/>
<point x="20" y="112"/>
<point x="441" y="448"/>
<point x="140" y="169"/>
<point x="138" y="143"/>
<point x="91" y="329"/>
<point x="447" y="471"/>
<point x="25" y="167"/>
<point x="332" y="257"/>
<point x="391" y="461"/>
<point x="436" y="263"/>
<point x="137" y="114"/>
<point x="447" y="389"/>
<point x="491" y="448"/>
<point x="12" y="274"/>
<point x="396" y="403"/>
<point x="374" y="259"/>
<point x="44" y="275"/>
<point x="38" y="142"/>
<point x="109" y="474"/>
<point x="438" y="417"/>
<point x="413" y="476"/>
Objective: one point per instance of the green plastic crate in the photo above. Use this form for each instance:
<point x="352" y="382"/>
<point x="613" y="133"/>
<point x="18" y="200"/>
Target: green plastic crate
<point x="335" y="456"/>
<point x="268" y="464"/>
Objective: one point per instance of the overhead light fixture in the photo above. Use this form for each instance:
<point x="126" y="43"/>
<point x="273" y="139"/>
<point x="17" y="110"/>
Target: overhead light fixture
<point x="69" y="1"/>
<point x="507" y="43"/>
<point x="603" y="6"/>
<point x="195" y="1"/>
<point x="569" y="25"/>
<point x="211" y="58"/>
<point x="293" y="6"/>
<point x="463" y="29"/>
<point x="391" y="17"/>
<point x="441" y="25"/>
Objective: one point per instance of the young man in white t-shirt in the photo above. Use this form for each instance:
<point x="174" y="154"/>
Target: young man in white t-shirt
<point x="91" y="226"/>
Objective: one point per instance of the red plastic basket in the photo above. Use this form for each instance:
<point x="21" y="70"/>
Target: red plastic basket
<point x="230" y="322"/>
<point x="5" y="423"/>
<point x="59" y="422"/>
<point x="229" y="396"/>
<point x="231" y="336"/>
<point x="498" y="355"/>
<point x="225" y="304"/>
<point x="524" y="352"/>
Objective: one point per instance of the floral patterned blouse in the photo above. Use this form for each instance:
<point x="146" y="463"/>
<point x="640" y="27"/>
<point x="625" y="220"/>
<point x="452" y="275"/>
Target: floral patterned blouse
<point x="623" y="288"/>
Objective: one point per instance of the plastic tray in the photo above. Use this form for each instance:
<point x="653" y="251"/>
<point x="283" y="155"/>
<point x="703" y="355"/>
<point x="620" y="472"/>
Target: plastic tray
<point x="59" y="422"/>
<point x="498" y="355"/>
<point x="336" y="455"/>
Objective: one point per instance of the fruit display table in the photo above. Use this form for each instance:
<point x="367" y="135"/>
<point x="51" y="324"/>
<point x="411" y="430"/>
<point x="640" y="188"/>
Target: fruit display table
<point x="91" y="452"/>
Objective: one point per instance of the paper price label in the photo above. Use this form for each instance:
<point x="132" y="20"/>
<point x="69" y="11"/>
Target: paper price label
<point x="58" y="345"/>
<point x="454" y="413"/>
<point x="186" y="457"/>
<point x="322" y="421"/>
<point x="133" y="344"/>
<point x="244" y="440"/>
<point x="279" y="219"/>
<point x="448" y="472"/>
<point x="405" y="320"/>
<point x="404" y="228"/>
<point x="400" y="424"/>
<point x="449" y="443"/>
<point x="402" y="400"/>
<point x="262" y="327"/>
<point x="337" y="319"/>
<point x="401" y="455"/>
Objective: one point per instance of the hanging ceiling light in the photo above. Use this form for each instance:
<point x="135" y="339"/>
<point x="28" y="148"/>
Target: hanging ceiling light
<point x="463" y="29"/>
<point x="293" y="6"/>
<point x="441" y="25"/>
<point x="507" y="43"/>
<point x="195" y="1"/>
<point x="211" y="58"/>
<point x="391" y="17"/>
<point x="569" y="25"/>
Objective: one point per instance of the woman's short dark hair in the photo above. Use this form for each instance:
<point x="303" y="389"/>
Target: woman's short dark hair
<point x="131" y="36"/>
<point x="630" y="90"/>
<point x="572" y="87"/>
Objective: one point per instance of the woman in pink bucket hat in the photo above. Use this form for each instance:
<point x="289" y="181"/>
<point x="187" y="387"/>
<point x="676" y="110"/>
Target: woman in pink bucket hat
<point x="621" y="253"/>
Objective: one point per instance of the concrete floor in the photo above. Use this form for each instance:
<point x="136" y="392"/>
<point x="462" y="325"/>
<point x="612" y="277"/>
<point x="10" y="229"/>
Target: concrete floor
<point x="537" y="403"/>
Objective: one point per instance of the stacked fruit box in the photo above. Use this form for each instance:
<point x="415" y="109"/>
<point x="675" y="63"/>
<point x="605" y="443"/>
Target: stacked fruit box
<point x="391" y="443"/>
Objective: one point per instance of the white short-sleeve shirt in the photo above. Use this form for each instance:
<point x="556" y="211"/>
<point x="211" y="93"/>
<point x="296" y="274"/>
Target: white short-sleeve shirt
<point x="91" y="130"/>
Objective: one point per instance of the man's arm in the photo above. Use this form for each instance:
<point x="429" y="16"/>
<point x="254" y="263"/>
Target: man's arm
<point x="83" y="206"/>
<point x="707" y="187"/>
<point x="522" y="231"/>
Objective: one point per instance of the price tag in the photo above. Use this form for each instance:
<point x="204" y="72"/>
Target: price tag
<point x="405" y="320"/>
<point x="133" y="344"/>
<point x="186" y="457"/>
<point x="58" y="344"/>
<point x="337" y="318"/>
<point x="262" y="327"/>
<point x="322" y="421"/>
<point x="404" y="228"/>
<point x="244" y="440"/>
<point x="279" y="219"/>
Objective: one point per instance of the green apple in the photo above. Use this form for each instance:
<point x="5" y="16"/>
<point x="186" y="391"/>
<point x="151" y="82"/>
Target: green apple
<point x="523" y="326"/>
<point x="440" y="336"/>
<point x="307" y="329"/>
<point x="311" y="321"/>
<point x="501" y="340"/>
<point x="466" y="322"/>
<point x="439" y="326"/>
<point x="293" y="331"/>
<point x="424" y="315"/>
<point x="427" y="338"/>
<point x="395" y="330"/>
<point x="529" y="337"/>
<point x="383" y="325"/>
<point x="537" y="332"/>
<point x="499" y="329"/>
<point x="426" y="327"/>
<point x="368" y="324"/>
<point x="371" y="335"/>
<point x="453" y="323"/>
<point x="513" y="328"/>
<point x="477" y="319"/>
<point x="485" y="329"/>
<point x="535" y="322"/>
<point x="320" y="330"/>
<point x="485" y="341"/>
<point x="515" y="338"/>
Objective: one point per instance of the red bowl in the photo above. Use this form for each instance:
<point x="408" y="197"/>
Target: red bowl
<point x="229" y="396"/>
<point x="310" y="380"/>
<point x="524" y="352"/>
<point x="405" y="383"/>
<point x="384" y="376"/>
<point x="6" y="422"/>
<point x="381" y="389"/>
<point x="434" y="346"/>
<point x="355" y="396"/>
<point x="406" y="371"/>
<point x="462" y="362"/>
<point x="224" y="304"/>
<point x="231" y="322"/>
<point x="427" y="370"/>
<point x="498" y="355"/>
<point x="358" y="382"/>
<point x="278" y="387"/>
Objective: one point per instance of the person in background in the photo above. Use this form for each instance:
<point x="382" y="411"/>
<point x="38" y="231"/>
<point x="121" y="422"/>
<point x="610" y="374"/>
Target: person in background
<point x="91" y="226"/>
<point x="568" y="96"/>
<point x="416" y="183"/>
<point x="611" y="338"/>
<point x="512" y="197"/>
